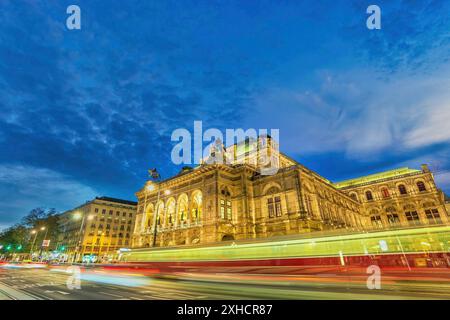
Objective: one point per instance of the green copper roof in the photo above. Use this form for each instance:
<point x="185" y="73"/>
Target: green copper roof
<point x="374" y="177"/>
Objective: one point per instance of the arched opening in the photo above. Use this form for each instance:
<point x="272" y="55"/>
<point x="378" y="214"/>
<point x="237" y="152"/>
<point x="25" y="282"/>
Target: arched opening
<point x="170" y="212"/>
<point x="228" y="237"/>
<point x="182" y="208"/>
<point x="196" y="213"/>
<point x="385" y="192"/>
<point x="149" y="217"/>
<point x="402" y="189"/>
<point x="160" y="213"/>
<point x="421" y="186"/>
<point x="354" y="196"/>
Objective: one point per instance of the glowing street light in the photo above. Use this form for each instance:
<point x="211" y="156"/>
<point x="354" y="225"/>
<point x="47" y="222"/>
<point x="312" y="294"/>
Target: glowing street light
<point x="77" y="215"/>
<point x="35" y="232"/>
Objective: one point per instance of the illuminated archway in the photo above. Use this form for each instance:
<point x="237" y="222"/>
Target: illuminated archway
<point x="160" y="213"/>
<point x="196" y="212"/>
<point x="182" y="210"/>
<point x="170" y="217"/>
<point x="148" y="222"/>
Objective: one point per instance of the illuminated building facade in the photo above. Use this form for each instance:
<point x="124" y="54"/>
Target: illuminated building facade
<point x="216" y="202"/>
<point x="400" y="197"/>
<point x="98" y="228"/>
<point x="447" y="204"/>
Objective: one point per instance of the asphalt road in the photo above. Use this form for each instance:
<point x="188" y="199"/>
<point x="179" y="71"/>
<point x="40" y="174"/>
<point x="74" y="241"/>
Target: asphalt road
<point x="45" y="284"/>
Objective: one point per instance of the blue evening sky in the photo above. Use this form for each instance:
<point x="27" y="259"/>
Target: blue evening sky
<point x="86" y="112"/>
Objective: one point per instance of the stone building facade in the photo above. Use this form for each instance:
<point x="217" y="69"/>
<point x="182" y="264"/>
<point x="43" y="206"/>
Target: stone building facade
<point x="400" y="197"/>
<point x="217" y="202"/>
<point x="98" y="228"/>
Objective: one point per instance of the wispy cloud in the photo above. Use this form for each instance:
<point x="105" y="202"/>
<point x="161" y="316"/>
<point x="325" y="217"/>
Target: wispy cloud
<point x="96" y="107"/>
<point x="23" y="188"/>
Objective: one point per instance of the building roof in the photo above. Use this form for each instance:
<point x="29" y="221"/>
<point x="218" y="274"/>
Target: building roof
<point x="391" y="174"/>
<point x="132" y="203"/>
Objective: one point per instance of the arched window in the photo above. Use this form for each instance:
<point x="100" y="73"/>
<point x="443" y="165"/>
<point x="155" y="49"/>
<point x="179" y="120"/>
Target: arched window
<point x="182" y="208"/>
<point x="170" y="212"/>
<point x="369" y="195"/>
<point x="385" y="192"/>
<point x="354" y="196"/>
<point x="149" y="216"/>
<point x="196" y="214"/>
<point x="402" y="189"/>
<point x="421" y="186"/>
<point x="160" y="213"/>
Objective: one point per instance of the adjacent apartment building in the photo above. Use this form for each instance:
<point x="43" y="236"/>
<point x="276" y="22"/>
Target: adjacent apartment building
<point x="96" y="230"/>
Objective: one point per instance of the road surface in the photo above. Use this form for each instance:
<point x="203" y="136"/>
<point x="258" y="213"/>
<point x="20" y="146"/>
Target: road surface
<point x="51" y="284"/>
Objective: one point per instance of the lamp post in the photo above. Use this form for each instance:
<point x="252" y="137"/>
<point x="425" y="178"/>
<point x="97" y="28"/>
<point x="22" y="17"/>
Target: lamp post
<point x="35" y="232"/>
<point x="34" y="241"/>
<point x="101" y="246"/>
<point x="45" y="236"/>
<point x="155" y="227"/>
<point x="77" y="216"/>
<point x="156" y="176"/>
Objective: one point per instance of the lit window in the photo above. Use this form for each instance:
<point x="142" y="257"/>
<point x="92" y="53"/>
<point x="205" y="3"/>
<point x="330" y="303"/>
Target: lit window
<point x="274" y="207"/>
<point x="385" y="193"/>
<point x="222" y="209"/>
<point x="229" y="214"/>
<point x="225" y="207"/>
<point x="433" y="216"/>
<point x="278" y="206"/>
<point x="412" y="217"/>
<point x="393" y="219"/>
<point x="270" y="207"/>
<point x="376" y="221"/>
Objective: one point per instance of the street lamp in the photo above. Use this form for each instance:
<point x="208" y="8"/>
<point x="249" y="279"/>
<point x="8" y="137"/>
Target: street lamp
<point x="77" y="216"/>
<point x="35" y="232"/>
<point x="45" y="236"/>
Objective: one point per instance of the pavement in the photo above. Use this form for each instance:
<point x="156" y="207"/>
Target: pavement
<point x="57" y="284"/>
